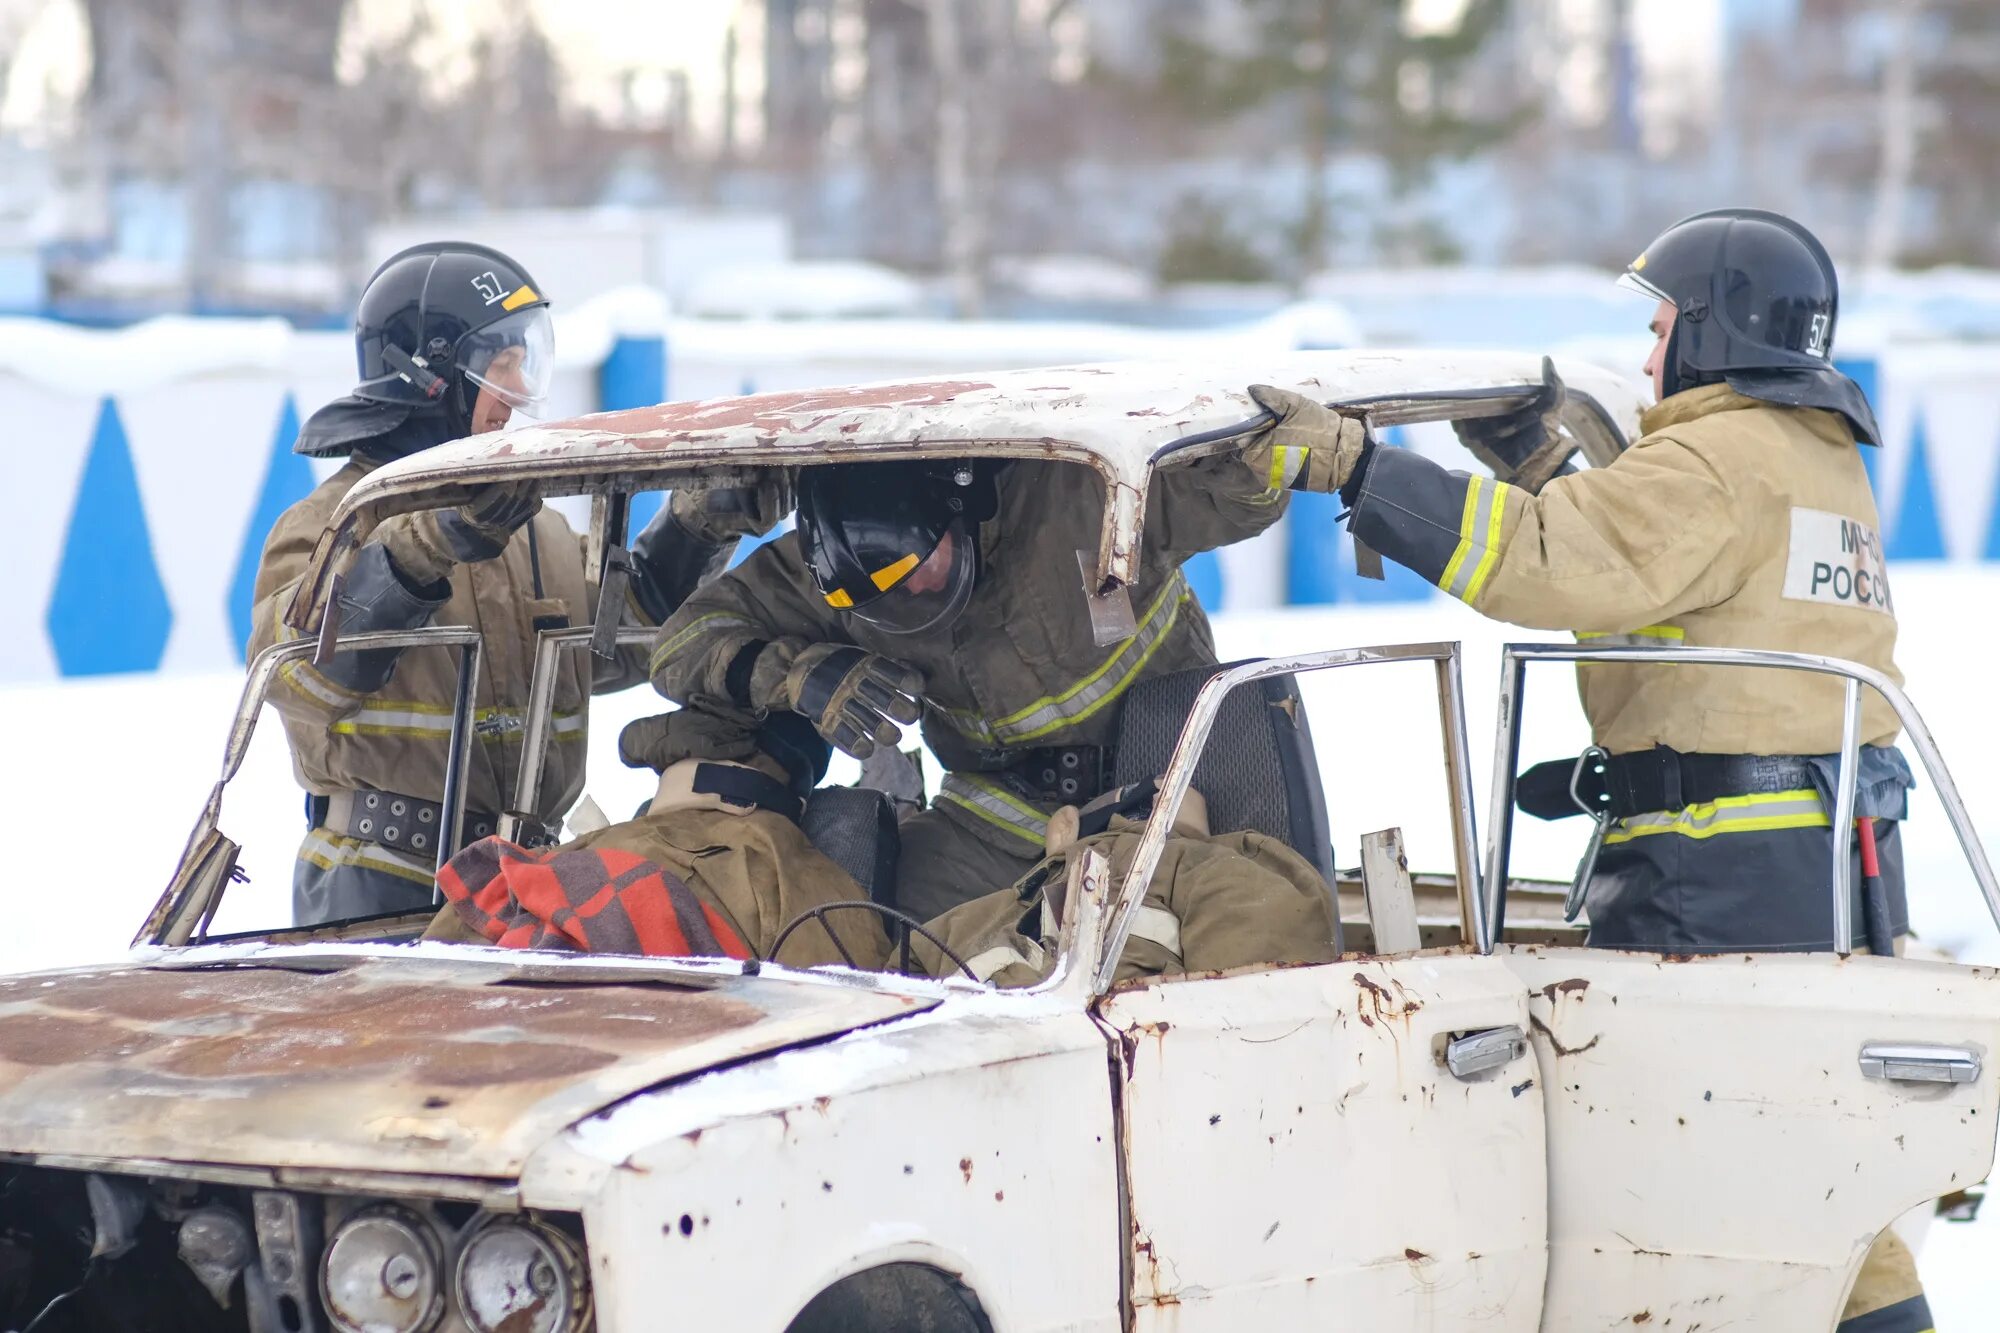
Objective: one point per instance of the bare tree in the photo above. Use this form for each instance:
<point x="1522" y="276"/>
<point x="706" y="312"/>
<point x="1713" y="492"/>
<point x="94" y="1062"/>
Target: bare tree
<point x="1897" y="124"/>
<point x="961" y="168"/>
<point x="206" y="174"/>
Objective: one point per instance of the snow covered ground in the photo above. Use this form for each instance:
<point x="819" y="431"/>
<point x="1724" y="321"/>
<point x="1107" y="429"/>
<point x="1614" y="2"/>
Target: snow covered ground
<point x="104" y="778"/>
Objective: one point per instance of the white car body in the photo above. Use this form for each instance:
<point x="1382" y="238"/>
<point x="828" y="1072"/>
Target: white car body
<point x="1676" y="1144"/>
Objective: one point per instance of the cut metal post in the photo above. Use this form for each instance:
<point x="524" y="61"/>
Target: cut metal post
<point x="464" y="712"/>
<point x="1475" y="916"/>
<point x="1111" y="617"/>
<point x="1386" y="889"/>
<point x="1843" y="818"/>
<point x="1500" y="812"/>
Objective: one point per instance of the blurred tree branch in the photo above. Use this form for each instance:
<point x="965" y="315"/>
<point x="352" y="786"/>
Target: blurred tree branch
<point x="1324" y="77"/>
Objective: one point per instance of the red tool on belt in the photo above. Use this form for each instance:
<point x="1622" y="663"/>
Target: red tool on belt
<point x="1874" y="895"/>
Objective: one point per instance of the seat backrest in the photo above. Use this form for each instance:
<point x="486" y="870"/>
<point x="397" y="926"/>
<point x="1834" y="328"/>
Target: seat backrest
<point x="1258" y="770"/>
<point x="855" y="827"/>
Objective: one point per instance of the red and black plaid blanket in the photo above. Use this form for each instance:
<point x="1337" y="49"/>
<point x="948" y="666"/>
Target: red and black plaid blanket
<point x="597" y="900"/>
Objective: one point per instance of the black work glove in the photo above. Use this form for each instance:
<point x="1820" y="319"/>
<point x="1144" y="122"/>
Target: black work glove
<point x="1506" y="444"/>
<point x="425" y="546"/>
<point x="854" y="698"/>
<point x="480" y="528"/>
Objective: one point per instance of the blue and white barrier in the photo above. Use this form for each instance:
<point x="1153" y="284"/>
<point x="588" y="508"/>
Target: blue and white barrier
<point x="146" y="466"/>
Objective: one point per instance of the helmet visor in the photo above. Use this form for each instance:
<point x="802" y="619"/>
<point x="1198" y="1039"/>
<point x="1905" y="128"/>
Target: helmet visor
<point x="512" y="358"/>
<point x="1632" y="281"/>
<point x="930" y="595"/>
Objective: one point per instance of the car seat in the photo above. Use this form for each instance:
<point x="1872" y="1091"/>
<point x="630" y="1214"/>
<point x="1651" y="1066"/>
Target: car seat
<point x="855" y="827"/>
<point x="1258" y="770"/>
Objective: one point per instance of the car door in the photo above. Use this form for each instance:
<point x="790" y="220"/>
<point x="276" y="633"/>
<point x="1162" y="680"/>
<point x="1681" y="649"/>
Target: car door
<point x="1728" y="1134"/>
<point x="1298" y="1155"/>
<point x="1356" y="1144"/>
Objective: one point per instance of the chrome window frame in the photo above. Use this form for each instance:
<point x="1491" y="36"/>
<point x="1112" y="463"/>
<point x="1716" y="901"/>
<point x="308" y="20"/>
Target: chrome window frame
<point x="175" y="901"/>
<point x="1101" y="939"/>
<point x="1515" y="658"/>
<point x="550" y="645"/>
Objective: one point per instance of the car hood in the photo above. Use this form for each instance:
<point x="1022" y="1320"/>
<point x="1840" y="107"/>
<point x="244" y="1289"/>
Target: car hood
<point x="375" y="1061"/>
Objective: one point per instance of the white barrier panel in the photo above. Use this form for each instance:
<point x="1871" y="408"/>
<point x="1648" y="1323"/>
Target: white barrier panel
<point x="147" y="464"/>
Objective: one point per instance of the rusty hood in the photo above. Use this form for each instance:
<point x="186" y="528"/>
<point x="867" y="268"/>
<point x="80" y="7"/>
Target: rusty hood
<point x="374" y="1062"/>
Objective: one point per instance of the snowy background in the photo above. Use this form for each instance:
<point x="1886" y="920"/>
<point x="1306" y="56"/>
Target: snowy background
<point x="776" y="177"/>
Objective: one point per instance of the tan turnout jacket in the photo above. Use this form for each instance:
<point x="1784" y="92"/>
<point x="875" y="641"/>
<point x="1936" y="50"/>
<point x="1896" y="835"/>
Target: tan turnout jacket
<point x="1731" y="523"/>
<point x="396" y="738"/>
<point x="755" y="867"/>
<point x="1216" y="901"/>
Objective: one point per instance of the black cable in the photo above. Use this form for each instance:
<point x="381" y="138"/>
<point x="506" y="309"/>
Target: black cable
<point x="903" y="919"/>
<point x="89" y="1271"/>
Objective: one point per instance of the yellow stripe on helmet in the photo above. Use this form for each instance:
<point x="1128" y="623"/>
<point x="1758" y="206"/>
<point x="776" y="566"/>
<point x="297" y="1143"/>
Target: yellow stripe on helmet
<point x="889" y="576"/>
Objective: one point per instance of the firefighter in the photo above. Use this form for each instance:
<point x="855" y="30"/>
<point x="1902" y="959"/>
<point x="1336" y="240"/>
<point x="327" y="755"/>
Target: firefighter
<point x="1216" y="901"/>
<point x="724" y="822"/>
<point x="452" y="340"/>
<point x="947" y="592"/>
<point x="1741" y="519"/>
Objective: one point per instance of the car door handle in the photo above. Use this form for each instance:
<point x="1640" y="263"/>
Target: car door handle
<point x="1919" y="1064"/>
<point x="1476" y="1052"/>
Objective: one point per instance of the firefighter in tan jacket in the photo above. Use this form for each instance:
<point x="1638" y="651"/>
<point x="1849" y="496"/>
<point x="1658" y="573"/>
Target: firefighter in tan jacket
<point x="1741" y="519"/>
<point x="949" y="592"/>
<point x="452" y="338"/>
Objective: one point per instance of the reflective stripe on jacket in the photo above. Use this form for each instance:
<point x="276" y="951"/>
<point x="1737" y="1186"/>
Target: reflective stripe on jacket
<point x="1732" y="523"/>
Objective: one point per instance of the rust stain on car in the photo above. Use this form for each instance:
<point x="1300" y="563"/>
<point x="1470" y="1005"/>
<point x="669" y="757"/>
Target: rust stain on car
<point x="1556" y="989"/>
<point x="1382" y="1003"/>
<point x="668" y="424"/>
<point x="368" y="1063"/>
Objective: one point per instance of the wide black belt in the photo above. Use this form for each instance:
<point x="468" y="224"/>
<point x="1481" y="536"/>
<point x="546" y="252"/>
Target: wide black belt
<point x="405" y="823"/>
<point x="1620" y="785"/>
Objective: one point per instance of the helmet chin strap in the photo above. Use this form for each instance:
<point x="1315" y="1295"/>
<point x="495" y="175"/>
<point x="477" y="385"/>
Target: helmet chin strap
<point x="459" y="401"/>
<point x="1675" y="375"/>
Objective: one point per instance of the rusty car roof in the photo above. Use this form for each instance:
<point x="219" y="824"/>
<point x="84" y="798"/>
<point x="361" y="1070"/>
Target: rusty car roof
<point x="1117" y="418"/>
<point x="372" y="1062"/>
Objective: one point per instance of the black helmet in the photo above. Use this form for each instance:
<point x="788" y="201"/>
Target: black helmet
<point x="896" y="544"/>
<point x="1757" y="299"/>
<point x="439" y="322"/>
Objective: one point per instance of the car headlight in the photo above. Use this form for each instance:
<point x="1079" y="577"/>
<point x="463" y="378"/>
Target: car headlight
<point x="382" y="1273"/>
<point x="522" y="1276"/>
